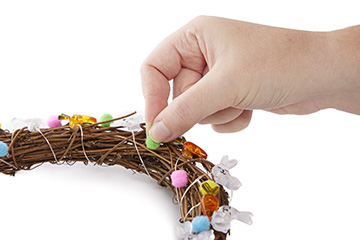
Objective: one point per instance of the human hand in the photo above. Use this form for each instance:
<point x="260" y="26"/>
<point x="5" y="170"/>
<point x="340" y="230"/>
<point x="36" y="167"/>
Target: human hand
<point x="223" y="69"/>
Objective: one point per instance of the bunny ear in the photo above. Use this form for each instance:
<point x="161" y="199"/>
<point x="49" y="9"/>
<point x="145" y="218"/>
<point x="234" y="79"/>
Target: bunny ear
<point x="228" y="163"/>
<point x="244" y="217"/>
<point x="232" y="163"/>
<point x="224" y="159"/>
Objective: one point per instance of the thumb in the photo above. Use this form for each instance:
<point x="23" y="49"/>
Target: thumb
<point x="201" y="100"/>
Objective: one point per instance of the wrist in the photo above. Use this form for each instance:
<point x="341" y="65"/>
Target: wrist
<point x="344" y="49"/>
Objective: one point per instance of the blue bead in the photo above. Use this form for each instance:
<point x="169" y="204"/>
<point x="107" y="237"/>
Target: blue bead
<point x="200" y="223"/>
<point x="3" y="149"/>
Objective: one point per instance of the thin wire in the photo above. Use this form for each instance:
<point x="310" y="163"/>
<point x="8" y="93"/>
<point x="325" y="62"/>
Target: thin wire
<point x="188" y="188"/>
<point x="231" y="197"/>
<point x="191" y="210"/>
<point x="137" y="150"/>
<point x="52" y="150"/>
<point x="8" y="163"/>
<point x="36" y="166"/>
<point x="82" y="142"/>
<point x="176" y="163"/>
<point x="177" y="195"/>
<point x="177" y="192"/>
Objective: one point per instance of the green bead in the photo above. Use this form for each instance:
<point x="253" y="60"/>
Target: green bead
<point x="106" y="117"/>
<point x="151" y="144"/>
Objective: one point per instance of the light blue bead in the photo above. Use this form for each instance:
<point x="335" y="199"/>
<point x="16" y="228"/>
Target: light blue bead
<point x="200" y="223"/>
<point x="3" y="149"/>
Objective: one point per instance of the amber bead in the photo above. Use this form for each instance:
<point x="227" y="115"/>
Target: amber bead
<point x="209" y="204"/>
<point x="64" y="117"/>
<point x="77" y="119"/>
<point x="190" y="149"/>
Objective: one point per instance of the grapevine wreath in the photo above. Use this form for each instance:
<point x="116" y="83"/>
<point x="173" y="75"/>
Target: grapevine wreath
<point x="197" y="184"/>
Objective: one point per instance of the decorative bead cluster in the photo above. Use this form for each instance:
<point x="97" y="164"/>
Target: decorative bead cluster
<point x="214" y="217"/>
<point x="54" y="121"/>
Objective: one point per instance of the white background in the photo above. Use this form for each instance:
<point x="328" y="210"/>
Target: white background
<point x="300" y="174"/>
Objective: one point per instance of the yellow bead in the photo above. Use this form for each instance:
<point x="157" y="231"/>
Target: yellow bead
<point x="209" y="187"/>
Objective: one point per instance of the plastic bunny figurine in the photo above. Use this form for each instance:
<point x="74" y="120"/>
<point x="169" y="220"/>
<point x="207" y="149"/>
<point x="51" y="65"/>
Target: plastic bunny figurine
<point x="225" y="214"/>
<point x="132" y="123"/>
<point x="33" y="124"/>
<point x="222" y="175"/>
<point x="184" y="232"/>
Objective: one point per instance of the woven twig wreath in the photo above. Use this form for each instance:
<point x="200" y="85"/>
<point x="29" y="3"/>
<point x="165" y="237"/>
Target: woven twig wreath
<point x="31" y="147"/>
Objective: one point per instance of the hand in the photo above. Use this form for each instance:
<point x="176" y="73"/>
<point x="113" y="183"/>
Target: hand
<point x="223" y="69"/>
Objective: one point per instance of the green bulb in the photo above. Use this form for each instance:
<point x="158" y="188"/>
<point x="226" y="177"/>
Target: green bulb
<point x="106" y="117"/>
<point x="151" y="144"/>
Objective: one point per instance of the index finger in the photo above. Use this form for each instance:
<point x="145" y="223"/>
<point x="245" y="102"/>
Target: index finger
<point x="181" y="50"/>
<point x="162" y="65"/>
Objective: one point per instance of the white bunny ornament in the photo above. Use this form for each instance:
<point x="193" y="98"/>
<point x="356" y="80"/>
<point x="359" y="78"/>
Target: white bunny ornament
<point x="222" y="175"/>
<point x="222" y="218"/>
<point x="184" y="232"/>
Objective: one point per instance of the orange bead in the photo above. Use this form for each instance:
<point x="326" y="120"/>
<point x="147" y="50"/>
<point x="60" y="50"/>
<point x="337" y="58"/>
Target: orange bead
<point x="209" y="204"/>
<point x="77" y="119"/>
<point x="190" y="149"/>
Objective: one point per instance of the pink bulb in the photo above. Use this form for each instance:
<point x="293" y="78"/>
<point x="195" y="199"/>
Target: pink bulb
<point x="179" y="178"/>
<point x="53" y="121"/>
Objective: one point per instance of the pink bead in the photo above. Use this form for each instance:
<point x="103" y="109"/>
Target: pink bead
<point x="53" y="121"/>
<point x="179" y="178"/>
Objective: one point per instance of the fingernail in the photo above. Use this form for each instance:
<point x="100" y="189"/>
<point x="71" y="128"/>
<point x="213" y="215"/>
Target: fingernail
<point x="159" y="132"/>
